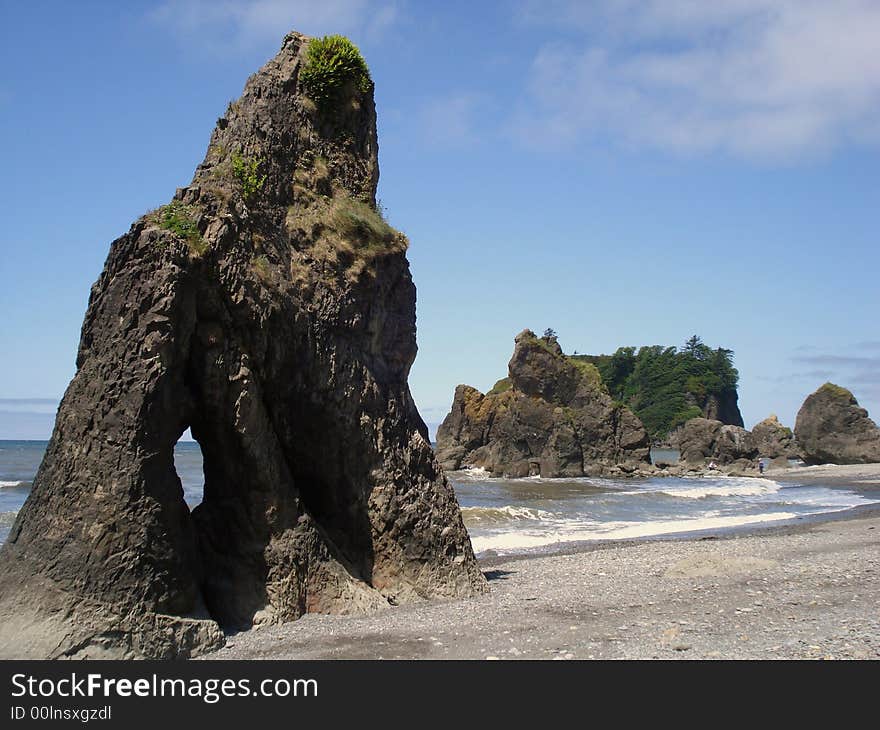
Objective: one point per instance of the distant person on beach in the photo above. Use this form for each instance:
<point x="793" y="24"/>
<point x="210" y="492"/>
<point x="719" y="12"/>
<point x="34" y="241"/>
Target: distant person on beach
<point x="760" y="466"/>
<point x="712" y="465"/>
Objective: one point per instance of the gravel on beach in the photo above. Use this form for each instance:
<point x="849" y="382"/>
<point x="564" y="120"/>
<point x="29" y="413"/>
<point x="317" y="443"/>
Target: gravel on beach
<point x="809" y="590"/>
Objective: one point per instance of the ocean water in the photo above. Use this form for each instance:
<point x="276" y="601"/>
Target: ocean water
<point x="514" y="515"/>
<point x="19" y="461"/>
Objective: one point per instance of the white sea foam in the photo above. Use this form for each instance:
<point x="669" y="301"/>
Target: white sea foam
<point x="824" y="499"/>
<point x="475" y="473"/>
<point x="484" y="515"/>
<point x="515" y="540"/>
<point x="726" y="487"/>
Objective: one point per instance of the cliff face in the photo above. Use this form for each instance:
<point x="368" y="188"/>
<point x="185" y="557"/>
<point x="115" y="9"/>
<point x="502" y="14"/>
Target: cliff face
<point x="269" y="308"/>
<point x="832" y="428"/>
<point x="550" y="417"/>
<point x="723" y="407"/>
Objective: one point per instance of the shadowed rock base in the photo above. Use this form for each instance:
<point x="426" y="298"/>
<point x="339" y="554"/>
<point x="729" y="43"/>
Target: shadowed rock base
<point x="271" y="310"/>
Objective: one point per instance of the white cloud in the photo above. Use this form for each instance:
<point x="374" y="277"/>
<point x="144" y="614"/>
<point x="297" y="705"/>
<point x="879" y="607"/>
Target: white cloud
<point x="225" y="24"/>
<point x="848" y="366"/>
<point x="759" y="78"/>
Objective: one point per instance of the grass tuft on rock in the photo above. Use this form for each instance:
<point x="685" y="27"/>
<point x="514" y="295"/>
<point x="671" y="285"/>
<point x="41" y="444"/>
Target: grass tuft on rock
<point x="334" y="66"/>
<point x="361" y="224"/>
<point x="179" y="219"/>
<point x="247" y="171"/>
<point x="348" y="235"/>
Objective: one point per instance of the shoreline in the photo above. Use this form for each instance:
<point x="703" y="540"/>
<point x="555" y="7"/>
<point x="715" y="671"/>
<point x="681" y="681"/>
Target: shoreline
<point x="791" y="526"/>
<point x="798" y="589"/>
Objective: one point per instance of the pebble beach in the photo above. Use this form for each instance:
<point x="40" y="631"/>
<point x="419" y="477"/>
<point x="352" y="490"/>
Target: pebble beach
<point x="803" y="590"/>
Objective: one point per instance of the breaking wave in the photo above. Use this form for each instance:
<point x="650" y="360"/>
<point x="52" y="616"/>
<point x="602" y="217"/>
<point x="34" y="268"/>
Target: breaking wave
<point x="514" y="540"/>
<point x="482" y="516"/>
<point x="4" y="485"/>
<point x="727" y="487"/>
<point x="474" y="473"/>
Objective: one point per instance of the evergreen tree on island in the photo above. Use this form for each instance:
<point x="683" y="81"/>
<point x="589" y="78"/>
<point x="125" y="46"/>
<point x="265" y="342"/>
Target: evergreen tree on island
<point x="666" y="386"/>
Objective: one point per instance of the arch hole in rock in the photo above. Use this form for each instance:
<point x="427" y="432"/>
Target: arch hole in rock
<point x="190" y="468"/>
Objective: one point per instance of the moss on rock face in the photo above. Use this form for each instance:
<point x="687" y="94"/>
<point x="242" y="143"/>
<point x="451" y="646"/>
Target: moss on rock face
<point x="502" y="386"/>
<point x="590" y="372"/>
<point x="836" y="391"/>
<point x="179" y="219"/>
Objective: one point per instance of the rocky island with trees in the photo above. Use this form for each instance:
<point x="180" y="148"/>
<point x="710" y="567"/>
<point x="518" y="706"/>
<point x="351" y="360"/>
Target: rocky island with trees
<point x="560" y="415"/>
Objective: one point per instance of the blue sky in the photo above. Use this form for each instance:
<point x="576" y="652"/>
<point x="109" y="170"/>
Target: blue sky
<point x="625" y="172"/>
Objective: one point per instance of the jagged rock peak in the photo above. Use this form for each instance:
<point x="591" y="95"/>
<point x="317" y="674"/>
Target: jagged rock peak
<point x="269" y="308"/>
<point x="551" y="416"/>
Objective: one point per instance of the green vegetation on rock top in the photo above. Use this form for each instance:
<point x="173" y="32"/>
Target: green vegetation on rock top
<point x="547" y="342"/>
<point x="333" y="64"/>
<point x="666" y="386"/>
<point x="502" y="386"/>
<point x="587" y="370"/>
<point x="836" y="391"/>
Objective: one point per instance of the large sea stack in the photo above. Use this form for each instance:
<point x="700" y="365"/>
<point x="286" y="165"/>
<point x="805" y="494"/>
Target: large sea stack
<point x="831" y="427"/>
<point x="551" y="417"/>
<point x="270" y="309"/>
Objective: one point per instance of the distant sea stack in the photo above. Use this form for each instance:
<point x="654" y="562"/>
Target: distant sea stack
<point x="774" y="440"/>
<point x="551" y="417"/>
<point x="832" y="428"/>
<point x="702" y="441"/>
<point x="270" y="308"/>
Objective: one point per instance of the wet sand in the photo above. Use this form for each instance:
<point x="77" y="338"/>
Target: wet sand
<point x="803" y="590"/>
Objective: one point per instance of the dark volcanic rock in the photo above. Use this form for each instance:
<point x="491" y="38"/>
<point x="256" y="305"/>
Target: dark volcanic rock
<point x="272" y="311"/>
<point x="832" y="428"/>
<point x="550" y="417"/>
<point x="724" y="408"/>
<point x="774" y="440"/>
<point x="703" y="440"/>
